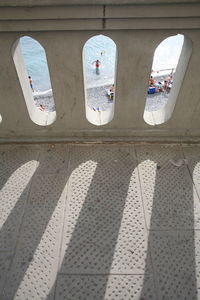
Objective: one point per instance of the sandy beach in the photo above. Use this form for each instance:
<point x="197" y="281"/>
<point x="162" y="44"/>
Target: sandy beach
<point x="98" y="99"/>
<point x="47" y="101"/>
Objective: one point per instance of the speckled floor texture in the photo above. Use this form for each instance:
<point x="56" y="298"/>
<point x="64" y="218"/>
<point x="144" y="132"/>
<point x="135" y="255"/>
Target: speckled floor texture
<point x="108" y="221"/>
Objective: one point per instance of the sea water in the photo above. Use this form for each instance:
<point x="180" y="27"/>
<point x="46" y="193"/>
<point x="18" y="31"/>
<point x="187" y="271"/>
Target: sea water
<point x="104" y="49"/>
<point x="36" y="63"/>
<point x="98" y="47"/>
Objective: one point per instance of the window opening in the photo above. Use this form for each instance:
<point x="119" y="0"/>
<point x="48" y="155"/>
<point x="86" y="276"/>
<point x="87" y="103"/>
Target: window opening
<point x="170" y="61"/>
<point x="99" y="69"/>
<point x="32" y="69"/>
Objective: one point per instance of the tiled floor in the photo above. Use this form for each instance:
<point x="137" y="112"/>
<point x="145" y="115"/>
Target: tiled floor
<point x="99" y="222"/>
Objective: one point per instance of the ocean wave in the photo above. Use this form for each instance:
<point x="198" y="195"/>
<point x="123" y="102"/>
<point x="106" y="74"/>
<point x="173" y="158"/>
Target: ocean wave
<point x="43" y="94"/>
<point x="100" y="83"/>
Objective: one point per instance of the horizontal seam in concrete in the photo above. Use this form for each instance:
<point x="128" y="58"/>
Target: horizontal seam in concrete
<point x="103" y="274"/>
<point x="147" y="3"/>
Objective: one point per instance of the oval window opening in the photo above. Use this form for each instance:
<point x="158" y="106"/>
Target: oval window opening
<point x="170" y="62"/>
<point x="33" y="73"/>
<point x="99" y="70"/>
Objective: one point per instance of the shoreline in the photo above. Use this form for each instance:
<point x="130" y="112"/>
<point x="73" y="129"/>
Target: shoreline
<point x="98" y="84"/>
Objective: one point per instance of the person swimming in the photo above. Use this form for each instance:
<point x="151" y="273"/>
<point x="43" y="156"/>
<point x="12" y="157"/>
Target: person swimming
<point x="97" y="65"/>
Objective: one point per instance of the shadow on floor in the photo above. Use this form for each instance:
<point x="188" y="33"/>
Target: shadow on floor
<point x="92" y="206"/>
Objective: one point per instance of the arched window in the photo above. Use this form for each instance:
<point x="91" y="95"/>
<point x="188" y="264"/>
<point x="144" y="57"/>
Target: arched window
<point x="99" y="69"/>
<point x="170" y="62"/>
<point x="32" y="69"/>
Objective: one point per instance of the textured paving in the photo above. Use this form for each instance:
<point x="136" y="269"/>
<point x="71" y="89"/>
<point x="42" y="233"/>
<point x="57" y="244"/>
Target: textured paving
<point x="99" y="222"/>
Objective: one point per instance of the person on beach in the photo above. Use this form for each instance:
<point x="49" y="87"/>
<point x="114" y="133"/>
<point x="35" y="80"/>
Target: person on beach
<point x="169" y="86"/>
<point x="159" y="87"/>
<point x="112" y="89"/>
<point x="41" y="107"/>
<point x="151" y="80"/>
<point x="111" y="92"/>
<point x="168" y="82"/>
<point x="169" y="77"/>
<point x="31" y="83"/>
<point x="165" y="85"/>
<point x="97" y="65"/>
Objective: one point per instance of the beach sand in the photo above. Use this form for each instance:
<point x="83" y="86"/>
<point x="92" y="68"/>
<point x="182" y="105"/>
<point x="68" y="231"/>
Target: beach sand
<point x="98" y="98"/>
<point x="156" y="101"/>
<point x="47" y="101"/>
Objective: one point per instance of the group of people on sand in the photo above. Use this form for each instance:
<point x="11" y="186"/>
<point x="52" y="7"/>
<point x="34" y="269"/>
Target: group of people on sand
<point x="161" y="86"/>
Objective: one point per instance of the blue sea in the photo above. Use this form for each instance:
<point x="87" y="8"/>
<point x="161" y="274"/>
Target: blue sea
<point x="98" y="47"/>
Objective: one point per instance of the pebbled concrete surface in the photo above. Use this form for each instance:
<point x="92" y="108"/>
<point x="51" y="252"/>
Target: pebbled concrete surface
<point x="99" y="222"/>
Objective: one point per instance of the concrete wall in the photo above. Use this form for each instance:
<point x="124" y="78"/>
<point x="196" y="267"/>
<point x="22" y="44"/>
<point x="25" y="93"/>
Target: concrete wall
<point x="63" y="30"/>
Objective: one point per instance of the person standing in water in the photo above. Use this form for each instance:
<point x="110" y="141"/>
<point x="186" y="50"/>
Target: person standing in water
<point x="31" y="83"/>
<point x="97" y="64"/>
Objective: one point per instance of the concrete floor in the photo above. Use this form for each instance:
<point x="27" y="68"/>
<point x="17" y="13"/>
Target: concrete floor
<point x="99" y="222"/>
